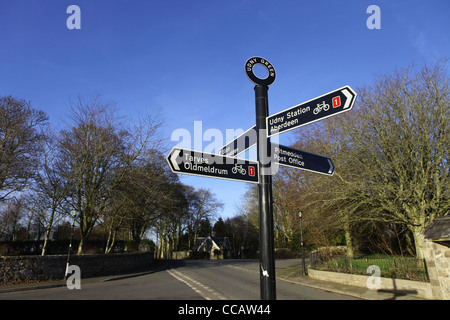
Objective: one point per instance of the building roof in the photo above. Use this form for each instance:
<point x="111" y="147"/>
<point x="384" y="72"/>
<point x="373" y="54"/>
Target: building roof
<point x="439" y="230"/>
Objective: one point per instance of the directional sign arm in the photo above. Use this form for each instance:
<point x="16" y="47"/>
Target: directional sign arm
<point x="327" y="105"/>
<point x="242" y="143"/>
<point x="299" y="159"/>
<point x="200" y="163"/>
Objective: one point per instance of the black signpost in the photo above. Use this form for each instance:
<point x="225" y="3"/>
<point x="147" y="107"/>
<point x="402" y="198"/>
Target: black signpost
<point x="224" y="165"/>
<point x="266" y="239"/>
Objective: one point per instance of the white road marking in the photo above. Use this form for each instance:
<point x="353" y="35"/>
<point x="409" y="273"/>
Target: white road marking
<point x="203" y="290"/>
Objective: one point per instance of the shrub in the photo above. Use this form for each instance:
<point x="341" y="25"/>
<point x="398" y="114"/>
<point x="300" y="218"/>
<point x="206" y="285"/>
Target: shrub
<point x="285" y="253"/>
<point x="330" y="252"/>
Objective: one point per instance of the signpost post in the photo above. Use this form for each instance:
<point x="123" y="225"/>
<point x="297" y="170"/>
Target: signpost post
<point x="266" y="239"/>
<point x="300" y="215"/>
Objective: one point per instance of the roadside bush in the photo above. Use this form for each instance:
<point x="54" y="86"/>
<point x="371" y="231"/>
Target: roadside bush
<point x="285" y="253"/>
<point x="330" y="252"/>
<point x="390" y="266"/>
<point x="55" y="247"/>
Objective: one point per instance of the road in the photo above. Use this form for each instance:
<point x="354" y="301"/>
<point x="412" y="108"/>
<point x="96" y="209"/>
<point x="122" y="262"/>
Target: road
<point x="183" y="280"/>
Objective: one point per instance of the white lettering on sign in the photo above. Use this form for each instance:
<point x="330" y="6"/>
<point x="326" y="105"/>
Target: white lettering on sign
<point x="276" y="120"/>
<point x="280" y="122"/>
<point x="269" y="67"/>
<point x="297" y="112"/>
<point x="297" y="162"/>
<point x="282" y="155"/>
<point x="278" y="158"/>
<point x="250" y="64"/>
<point x="199" y="168"/>
<point x="195" y="159"/>
<point x="283" y="125"/>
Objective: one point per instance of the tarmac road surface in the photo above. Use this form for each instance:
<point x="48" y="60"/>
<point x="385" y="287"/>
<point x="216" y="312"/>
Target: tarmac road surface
<point x="182" y="280"/>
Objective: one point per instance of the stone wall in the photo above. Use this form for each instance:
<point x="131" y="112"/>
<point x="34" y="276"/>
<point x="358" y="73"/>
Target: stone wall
<point x="29" y="268"/>
<point x="181" y="255"/>
<point x="419" y="288"/>
<point x="437" y="257"/>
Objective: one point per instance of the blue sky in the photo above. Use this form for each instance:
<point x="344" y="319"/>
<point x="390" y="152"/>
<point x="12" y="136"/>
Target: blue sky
<point x="186" y="58"/>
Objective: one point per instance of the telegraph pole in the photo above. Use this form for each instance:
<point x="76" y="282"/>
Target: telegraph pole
<point x="300" y="215"/>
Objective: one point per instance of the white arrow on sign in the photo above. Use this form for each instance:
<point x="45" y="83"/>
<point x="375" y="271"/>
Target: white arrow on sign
<point x="174" y="157"/>
<point x="349" y="97"/>
<point x="331" y="171"/>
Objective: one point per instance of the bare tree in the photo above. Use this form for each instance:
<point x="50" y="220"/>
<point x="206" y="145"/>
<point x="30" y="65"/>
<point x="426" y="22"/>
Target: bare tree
<point x="20" y="133"/>
<point x="172" y="209"/>
<point x="10" y="219"/>
<point x="403" y="144"/>
<point x="391" y="154"/>
<point x="52" y="186"/>
<point x="204" y="205"/>
<point x="139" y="199"/>
<point x="98" y="152"/>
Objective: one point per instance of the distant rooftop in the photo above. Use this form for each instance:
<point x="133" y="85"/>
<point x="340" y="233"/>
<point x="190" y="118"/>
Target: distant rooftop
<point x="439" y="230"/>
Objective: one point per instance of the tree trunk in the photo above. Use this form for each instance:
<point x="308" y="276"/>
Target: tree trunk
<point x="46" y="237"/>
<point x="418" y="234"/>
<point x="348" y="238"/>
<point x="110" y="241"/>
<point x="80" y="246"/>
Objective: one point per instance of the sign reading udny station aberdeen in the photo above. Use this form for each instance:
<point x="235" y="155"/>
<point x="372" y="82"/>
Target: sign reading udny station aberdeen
<point x="327" y="105"/>
<point x="224" y="165"/>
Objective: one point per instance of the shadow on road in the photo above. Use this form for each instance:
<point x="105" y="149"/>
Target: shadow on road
<point x="156" y="266"/>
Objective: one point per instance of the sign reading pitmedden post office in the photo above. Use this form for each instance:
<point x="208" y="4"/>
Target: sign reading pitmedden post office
<point x="327" y="105"/>
<point x="205" y="164"/>
<point x="303" y="160"/>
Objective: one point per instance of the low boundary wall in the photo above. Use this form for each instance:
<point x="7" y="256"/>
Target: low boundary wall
<point x="31" y="268"/>
<point x="419" y="288"/>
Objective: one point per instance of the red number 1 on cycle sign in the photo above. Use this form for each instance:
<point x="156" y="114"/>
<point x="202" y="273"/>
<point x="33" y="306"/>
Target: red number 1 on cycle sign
<point x="336" y="101"/>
